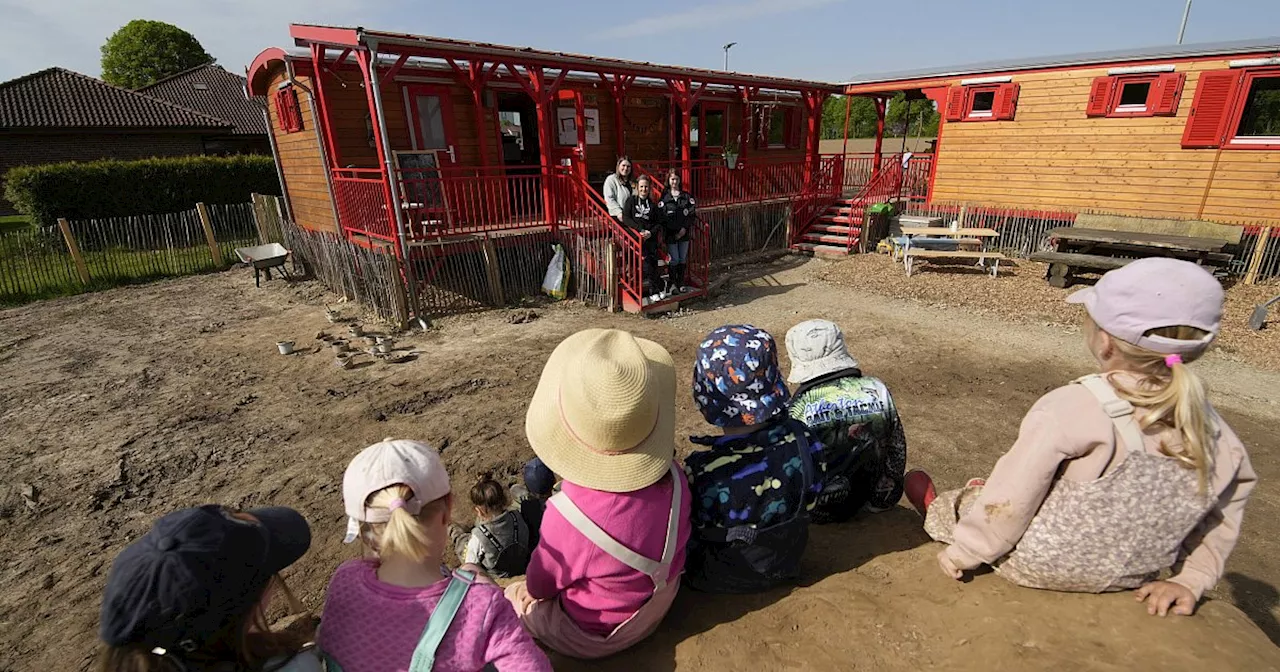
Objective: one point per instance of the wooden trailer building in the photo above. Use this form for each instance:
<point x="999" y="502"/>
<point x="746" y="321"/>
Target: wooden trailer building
<point x="1187" y="131"/>
<point x="431" y="148"/>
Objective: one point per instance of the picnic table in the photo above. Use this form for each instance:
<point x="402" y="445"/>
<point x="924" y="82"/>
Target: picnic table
<point x="1080" y="248"/>
<point x="928" y="242"/>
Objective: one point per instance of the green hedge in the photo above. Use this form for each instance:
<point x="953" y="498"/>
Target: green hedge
<point x="111" y="188"/>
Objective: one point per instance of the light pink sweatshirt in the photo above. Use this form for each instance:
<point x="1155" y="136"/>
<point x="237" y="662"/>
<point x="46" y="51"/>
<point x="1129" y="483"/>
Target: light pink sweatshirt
<point x="1066" y="432"/>
<point x="598" y="592"/>
<point x="371" y="626"/>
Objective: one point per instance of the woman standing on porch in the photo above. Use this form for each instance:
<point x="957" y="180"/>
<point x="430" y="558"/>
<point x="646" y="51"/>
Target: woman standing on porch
<point x="677" y="219"/>
<point x="617" y="188"/>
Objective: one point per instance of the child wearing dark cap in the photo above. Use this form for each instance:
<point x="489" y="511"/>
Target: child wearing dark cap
<point x="531" y="497"/>
<point x="192" y="594"/>
<point x="754" y="487"/>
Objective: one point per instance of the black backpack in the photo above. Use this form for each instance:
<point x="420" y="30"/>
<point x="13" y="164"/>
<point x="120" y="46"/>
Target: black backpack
<point x="746" y="559"/>
<point x="512" y="559"/>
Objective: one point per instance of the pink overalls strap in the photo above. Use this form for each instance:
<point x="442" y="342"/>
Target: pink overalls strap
<point x="656" y="570"/>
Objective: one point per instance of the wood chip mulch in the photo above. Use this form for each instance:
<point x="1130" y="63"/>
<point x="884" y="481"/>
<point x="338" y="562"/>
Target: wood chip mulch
<point x="1021" y="294"/>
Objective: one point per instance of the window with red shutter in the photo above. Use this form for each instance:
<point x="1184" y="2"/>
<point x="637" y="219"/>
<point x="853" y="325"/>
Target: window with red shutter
<point x="1100" y="97"/>
<point x="1216" y="94"/>
<point x="1006" y="102"/>
<point x="287" y="110"/>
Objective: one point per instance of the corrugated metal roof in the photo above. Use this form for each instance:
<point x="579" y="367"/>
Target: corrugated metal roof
<point x="60" y="98"/>
<point x="1238" y="47"/>
<point x="213" y="91"/>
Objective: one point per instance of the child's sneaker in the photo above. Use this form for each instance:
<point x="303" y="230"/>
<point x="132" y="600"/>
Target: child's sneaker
<point x="919" y="490"/>
<point x="976" y="483"/>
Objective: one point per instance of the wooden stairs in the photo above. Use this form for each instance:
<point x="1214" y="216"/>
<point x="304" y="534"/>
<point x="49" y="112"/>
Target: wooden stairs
<point x="836" y="232"/>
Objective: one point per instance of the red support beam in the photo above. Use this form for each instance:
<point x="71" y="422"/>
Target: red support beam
<point x="848" y="108"/>
<point x="813" y="101"/>
<point x="395" y="69"/>
<point x="880" y="108"/>
<point x="618" y="88"/>
<point x="326" y="126"/>
<point x="543" y="94"/>
<point x="383" y="152"/>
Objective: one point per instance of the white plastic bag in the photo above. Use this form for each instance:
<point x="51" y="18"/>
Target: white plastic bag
<point x="556" y="281"/>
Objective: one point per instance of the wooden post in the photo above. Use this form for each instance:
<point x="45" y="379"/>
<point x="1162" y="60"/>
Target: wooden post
<point x="1255" y="260"/>
<point x="208" y="234"/>
<point x="964" y="211"/>
<point x="259" y="214"/>
<point x="491" y="270"/>
<point x="611" y="274"/>
<point x="402" y="300"/>
<point x="74" y="249"/>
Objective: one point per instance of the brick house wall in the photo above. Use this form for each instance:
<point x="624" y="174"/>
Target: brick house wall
<point x="17" y="149"/>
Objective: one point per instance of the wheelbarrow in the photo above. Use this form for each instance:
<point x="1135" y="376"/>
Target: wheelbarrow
<point x="263" y="258"/>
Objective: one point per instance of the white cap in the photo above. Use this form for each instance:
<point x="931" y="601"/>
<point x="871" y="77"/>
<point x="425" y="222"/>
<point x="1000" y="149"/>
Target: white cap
<point x="391" y="462"/>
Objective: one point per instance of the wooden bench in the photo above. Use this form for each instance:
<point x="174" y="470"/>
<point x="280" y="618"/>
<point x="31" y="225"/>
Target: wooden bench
<point x="982" y="257"/>
<point x="1227" y="233"/>
<point x="1063" y="264"/>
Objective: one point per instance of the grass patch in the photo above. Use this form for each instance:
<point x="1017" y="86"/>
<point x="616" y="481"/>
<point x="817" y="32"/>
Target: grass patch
<point x="9" y="223"/>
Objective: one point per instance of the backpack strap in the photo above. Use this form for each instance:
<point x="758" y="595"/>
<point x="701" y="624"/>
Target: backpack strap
<point x="1119" y="410"/>
<point x="656" y="570"/>
<point x="424" y="655"/>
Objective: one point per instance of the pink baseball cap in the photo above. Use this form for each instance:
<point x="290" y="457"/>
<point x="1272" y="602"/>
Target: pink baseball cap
<point x="391" y="462"/>
<point x="1152" y="293"/>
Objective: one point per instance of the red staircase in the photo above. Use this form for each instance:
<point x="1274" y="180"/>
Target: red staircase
<point x="835" y="227"/>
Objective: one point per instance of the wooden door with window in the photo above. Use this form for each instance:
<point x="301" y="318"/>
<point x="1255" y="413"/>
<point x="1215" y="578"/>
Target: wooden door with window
<point x="432" y="129"/>
<point x="570" y="132"/>
<point x="710" y="174"/>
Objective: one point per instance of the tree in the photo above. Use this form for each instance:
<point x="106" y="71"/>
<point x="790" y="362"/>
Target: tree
<point x="862" y="118"/>
<point x="143" y="52"/>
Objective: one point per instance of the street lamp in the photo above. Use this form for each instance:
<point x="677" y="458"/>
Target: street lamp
<point x="727" y="47"/>
<point x="1186" y="13"/>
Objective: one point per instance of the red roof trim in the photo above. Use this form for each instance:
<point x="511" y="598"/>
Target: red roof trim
<point x="303" y="35"/>
<point x="944" y="80"/>
<point x="257" y="75"/>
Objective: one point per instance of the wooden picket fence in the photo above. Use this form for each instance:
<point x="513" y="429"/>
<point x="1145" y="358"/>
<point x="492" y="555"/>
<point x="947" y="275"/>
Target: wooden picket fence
<point x="88" y="255"/>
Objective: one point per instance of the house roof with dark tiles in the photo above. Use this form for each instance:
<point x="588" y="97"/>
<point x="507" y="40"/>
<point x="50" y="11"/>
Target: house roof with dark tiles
<point x="57" y="98"/>
<point x="215" y="92"/>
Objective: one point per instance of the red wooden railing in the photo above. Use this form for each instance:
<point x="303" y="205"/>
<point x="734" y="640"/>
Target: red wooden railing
<point x="858" y="170"/>
<point x="361" y="200"/>
<point x="453" y="201"/>
<point x="581" y="211"/>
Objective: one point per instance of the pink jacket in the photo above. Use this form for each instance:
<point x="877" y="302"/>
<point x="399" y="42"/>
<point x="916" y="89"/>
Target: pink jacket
<point x="371" y="626"/>
<point x="598" y="592"/>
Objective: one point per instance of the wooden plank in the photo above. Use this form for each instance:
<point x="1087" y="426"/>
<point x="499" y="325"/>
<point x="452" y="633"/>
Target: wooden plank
<point x="81" y="268"/>
<point x="1080" y="260"/>
<point x="493" y="272"/>
<point x="1172" y="227"/>
<point x="1255" y="260"/>
<point x="207" y="224"/>
<point x="1186" y="243"/>
<point x="959" y="254"/>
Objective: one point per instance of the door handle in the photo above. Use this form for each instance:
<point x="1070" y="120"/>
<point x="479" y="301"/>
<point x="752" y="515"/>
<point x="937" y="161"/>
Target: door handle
<point x="453" y="158"/>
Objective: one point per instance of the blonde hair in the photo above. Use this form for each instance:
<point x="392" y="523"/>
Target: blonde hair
<point x="1171" y="395"/>
<point x="405" y="534"/>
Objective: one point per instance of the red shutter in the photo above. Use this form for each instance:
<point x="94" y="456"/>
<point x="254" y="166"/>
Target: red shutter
<point x="1215" y="94"/>
<point x="1165" y="94"/>
<point x="955" y="103"/>
<point x="287" y="110"/>
<point x="1006" y="102"/>
<point x="1100" y="96"/>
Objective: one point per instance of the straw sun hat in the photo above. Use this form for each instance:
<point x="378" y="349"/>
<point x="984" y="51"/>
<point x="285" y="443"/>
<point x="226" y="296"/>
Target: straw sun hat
<point x="603" y="415"/>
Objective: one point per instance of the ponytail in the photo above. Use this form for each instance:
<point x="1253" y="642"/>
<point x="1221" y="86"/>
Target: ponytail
<point x="1172" y="394"/>
<point x="405" y="534"/>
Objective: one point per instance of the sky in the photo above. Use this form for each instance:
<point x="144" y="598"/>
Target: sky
<point x="827" y="40"/>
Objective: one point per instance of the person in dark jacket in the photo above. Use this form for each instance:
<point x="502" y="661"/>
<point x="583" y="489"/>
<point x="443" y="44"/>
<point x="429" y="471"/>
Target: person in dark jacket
<point x="677" y="220"/>
<point x="640" y="214"/>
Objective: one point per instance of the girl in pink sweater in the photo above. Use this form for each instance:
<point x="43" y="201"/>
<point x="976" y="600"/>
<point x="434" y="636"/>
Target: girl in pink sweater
<point x="378" y="610"/>
<point x="1121" y="474"/>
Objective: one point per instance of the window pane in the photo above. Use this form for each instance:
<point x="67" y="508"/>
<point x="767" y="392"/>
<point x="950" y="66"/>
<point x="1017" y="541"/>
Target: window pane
<point x="1262" y="109"/>
<point x="431" y="123"/>
<point x="715" y="129"/>
<point x="984" y="101"/>
<point x="693" y="131"/>
<point x="1134" y="93"/>
<point x="778" y="127"/>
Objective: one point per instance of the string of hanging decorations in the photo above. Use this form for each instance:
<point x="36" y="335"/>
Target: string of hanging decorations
<point x="649" y="129"/>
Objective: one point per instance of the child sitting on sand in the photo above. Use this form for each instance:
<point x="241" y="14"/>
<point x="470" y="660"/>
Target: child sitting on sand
<point x="608" y="565"/>
<point x="755" y="486"/>
<point x="531" y="497"/>
<point x="1121" y="474"/>
<point x="402" y="606"/>
<point x="500" y="540"/>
